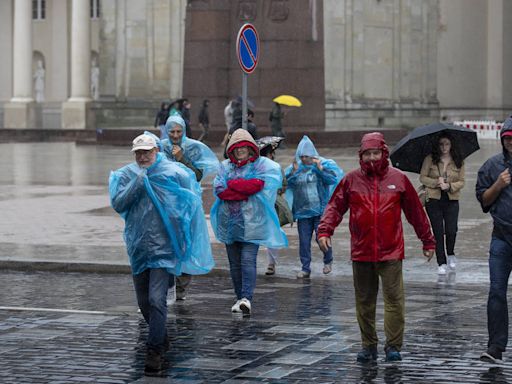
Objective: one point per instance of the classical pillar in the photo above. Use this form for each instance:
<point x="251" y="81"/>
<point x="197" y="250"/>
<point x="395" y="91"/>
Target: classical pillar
<point x="19" y="112"/>
<point x="495" y="39"/>
<point x="76" y="111"/>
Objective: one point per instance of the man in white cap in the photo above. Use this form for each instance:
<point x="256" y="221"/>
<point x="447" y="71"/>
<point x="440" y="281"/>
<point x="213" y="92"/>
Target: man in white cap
<point x="165" y="233"/>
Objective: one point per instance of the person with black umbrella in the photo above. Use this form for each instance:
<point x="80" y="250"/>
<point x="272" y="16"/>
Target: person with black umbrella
<point x="494" y="192"/>
<point x="442" y="174"/>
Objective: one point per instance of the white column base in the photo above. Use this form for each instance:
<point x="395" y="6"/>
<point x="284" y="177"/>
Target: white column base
<point x="77" y="115"/>
<point x="19" y="114"/>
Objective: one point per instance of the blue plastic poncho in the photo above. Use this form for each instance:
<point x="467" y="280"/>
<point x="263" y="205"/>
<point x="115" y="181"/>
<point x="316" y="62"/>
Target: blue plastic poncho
<point x="255" y="219"/>
<point x="199" y="154"/>
<point x="165" y="226"/>
<point x="310" y="189"/>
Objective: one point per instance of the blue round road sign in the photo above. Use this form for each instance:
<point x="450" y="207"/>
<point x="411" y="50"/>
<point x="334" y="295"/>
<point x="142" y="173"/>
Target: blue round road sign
<point x="248" y="47"/>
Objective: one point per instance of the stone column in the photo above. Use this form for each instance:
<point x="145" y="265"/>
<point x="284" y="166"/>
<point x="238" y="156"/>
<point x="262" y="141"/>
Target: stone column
<point x="495" y="17"/>
<point x="76" y="112"/>
<point x="19" y="113"/>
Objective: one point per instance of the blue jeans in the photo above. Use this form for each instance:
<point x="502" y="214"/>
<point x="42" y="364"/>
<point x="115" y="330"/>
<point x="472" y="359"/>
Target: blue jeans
<point x="151" y="289"/>
<point x="242" y="265"/>
<point x="306" y="228"/>
<point x="500" y="266"/>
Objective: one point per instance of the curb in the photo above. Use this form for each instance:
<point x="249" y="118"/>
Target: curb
<point x="55" y="266"/>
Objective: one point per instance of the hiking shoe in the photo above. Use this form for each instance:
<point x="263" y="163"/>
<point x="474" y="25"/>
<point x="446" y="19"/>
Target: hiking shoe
<point x="153" y="366"/>
<point x="441" y="270"/>
<point x="271" y="269"/>
<point x="367" y="354"/>
<point x="303" y="275"/>
<point x="452" y="262"/>
<point x="236" y="307"/>
<point x="392" y="354"/>
<point x="245" y="306"/>
<point x="327" y="268"/>
<point x="492" y="355"/>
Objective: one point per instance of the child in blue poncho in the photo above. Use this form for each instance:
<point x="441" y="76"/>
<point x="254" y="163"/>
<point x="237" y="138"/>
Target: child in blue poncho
<point x="311" y="181"/>
<point x="243" y="216"/>
<point x="165" y="233"/>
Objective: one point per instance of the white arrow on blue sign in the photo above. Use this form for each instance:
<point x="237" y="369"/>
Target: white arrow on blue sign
<point x="248" y="47"/>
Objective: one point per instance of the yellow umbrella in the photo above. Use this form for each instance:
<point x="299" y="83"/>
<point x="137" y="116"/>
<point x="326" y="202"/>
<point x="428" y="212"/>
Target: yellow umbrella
<point x="288" y="100"/>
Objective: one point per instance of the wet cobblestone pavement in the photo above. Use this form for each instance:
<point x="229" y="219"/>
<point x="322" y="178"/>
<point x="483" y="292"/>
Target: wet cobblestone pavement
<point x="78" y="327"/>
<point x="58" y="327"/>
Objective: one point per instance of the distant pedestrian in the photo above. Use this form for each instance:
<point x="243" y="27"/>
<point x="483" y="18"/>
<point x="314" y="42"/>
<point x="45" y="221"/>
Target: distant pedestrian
<point x="442" y="173"/>
<point x="494" y="192"/>
<point x="376" y="195"/>
<point x="204" y="120"/>
<point x="251" y="126"/>
<point x="196" y="156"/>
<point x="243" y="215"/>
<point x="161" y="119"/>
<point x="276" y="120"/>
<point x="311" y="180"/>
<point x="268" y="146"/>
<point x="183" y="106"/>
<point x="236" y="119"/>
<point x="165" y="234"/>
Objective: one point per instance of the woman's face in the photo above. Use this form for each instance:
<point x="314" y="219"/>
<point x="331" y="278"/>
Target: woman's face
<point x="306" y="160"/>
<point x="241" y="153"/>
<point x="176" y="133"/>
<point x="444" y="146"/>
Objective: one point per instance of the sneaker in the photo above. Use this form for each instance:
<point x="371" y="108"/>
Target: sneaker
<point x="236" y="307"/>
<point x="245" y="306"/>
<point x="303" y="275"/>
<point x="441" y="270"/>
<point x="271" y="269"/>
<point x="392" y="354"/>
<point x="452" y="262"/>
<point x="327" y="268"/>
<point x="492" y="355"/>
<point x="153" y="366"/>
<point x="367" y="354"/>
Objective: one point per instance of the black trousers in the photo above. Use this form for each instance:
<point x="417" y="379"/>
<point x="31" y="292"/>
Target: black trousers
<point x="443" y="215"/>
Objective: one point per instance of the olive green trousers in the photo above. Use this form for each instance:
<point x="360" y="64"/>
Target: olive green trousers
<point x="366" y="285"/>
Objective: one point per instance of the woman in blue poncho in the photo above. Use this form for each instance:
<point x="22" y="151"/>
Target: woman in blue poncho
<point x="243" y="215"/>
<point x="194" y="155"/>
<point x="311" y="181"/>
<point x="165" y="233"/>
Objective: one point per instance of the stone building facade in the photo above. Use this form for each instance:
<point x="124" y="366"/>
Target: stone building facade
<point x="355" y="64"/>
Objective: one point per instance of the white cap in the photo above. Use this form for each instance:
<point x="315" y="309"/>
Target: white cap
<point x="143" y="141"/>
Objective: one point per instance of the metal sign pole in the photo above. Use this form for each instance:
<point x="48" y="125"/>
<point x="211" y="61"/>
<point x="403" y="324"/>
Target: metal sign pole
<point x="244" y="100"/>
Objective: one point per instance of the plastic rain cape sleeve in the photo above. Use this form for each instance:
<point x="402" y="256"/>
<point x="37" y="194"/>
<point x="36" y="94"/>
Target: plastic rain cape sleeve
<point x="199" y="154"/>
<point x="255" y="219"/>
<point x="311" y="198"/>
<point x="164" y="218"/>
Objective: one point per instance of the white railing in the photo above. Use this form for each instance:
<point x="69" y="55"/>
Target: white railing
<point x="485" y="129"/>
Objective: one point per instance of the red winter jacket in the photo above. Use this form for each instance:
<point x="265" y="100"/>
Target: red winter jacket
<point x="375" y="204"/>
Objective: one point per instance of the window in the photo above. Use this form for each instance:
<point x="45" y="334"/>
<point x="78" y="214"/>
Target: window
<point x="95" y="9"/>
<point x="38" y="9"/>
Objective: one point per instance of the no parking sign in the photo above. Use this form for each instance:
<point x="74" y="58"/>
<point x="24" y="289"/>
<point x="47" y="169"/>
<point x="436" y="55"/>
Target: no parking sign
<point x="248" y="47"/>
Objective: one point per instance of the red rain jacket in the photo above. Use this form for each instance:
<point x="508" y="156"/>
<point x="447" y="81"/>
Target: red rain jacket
<point x="375" y="204"/>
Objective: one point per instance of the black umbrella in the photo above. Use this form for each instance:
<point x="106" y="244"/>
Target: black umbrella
<point x="409" y="153"/>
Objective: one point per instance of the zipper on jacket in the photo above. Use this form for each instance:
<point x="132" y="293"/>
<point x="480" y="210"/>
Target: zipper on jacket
<point x="375" y="216"/>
